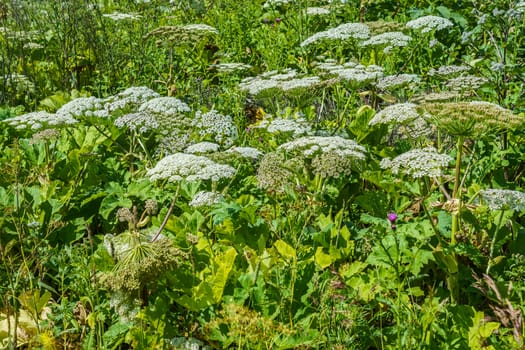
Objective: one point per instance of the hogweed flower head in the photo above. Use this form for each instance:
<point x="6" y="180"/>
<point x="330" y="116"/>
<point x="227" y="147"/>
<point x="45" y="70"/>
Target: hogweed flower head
<point x="329" y="156"/>
<point x="84" y="107"/>
<point x="276" y="172"/>
<point x="129" y="99"/>
<point x="205" y="199"/>
<point x="444" y="71"/>
<point x="230" y="67"/>
<point x="418" y="163"/>
<point x="246" y="152"/>
<point x="119" y="16"/>
<point x="40" y="120"/>
<point x="429" y="23"/>
<point x="343" y="32"/>
<point x="504" y="199"/>
<point x="45" y="135"/>
<point x="317" y="11"/>
<point x="202" y="148"/>
<point x="380" y="27"/>
<point x="182" y="34"/>
<point x="391" y="82"/>
<point x="287" y="81"/>
<point x="140" y="122"/>
<point x="400" y="113"/>
<point x="352" y="72"/>
<point x="189" y="167"/>
<point x="388" y="40"/>
<point x="475" y="118"/>
<point x="221" y="128"/>
<point x="164" y="106"/>
<point x="295" y="126"/>
<point x="465" y="83"/>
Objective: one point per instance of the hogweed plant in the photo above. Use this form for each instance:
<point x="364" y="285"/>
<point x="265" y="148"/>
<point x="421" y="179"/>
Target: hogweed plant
<point x="279" y="174"/>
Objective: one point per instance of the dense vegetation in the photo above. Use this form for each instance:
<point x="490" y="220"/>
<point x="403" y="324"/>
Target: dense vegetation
<point x="262" y="175"/>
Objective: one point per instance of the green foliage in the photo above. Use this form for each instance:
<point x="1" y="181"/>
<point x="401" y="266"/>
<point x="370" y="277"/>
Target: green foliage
<point x="313" y="245"/>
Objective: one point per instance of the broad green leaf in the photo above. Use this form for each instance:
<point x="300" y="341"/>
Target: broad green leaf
<point x="322" y="259"/>
<point x="285" y="250"/>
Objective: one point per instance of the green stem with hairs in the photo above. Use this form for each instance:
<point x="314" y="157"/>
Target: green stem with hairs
<point x="456" y="194"/>
<point x="453" y="276"/>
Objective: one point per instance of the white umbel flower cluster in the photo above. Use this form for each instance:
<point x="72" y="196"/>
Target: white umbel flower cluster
<point x="205" y="199"/>
<point x="343" y="32"/>
<point x="418" y="163"/>
<point x="202" y="148"/>
<point x="272" y="3"/>
<point x="389" y="40"/>
<point x="397" y="80"/>
<point x="189" y="167"/>
<point x="298" y="126"/>
<point x="165" y="106"/>
<point x="330" y="156"/>
<point x="396" y="114"/>
<point x="503" y="199"/>
<point x="84" y="107"/>
<point x="119" y="16"/>
<point x="352" y="72"/>
<point x="140" y="122"/>
<point x="246" y="152"/>
<point x="40" y="120"/>
<point x="287" y="81"/>
<point x="129" y="99"/>
<point x="465" y="83"/>
<point x="200" y="28"/>
<point x="220" y="128"/>
<point x="230" y="67"/>
<point x="317" y="11"/>
<point x="429" y="23"/>
<point x="444" y="71"/>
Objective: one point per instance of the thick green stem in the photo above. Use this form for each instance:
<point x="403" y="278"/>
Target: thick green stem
<point x="453" y="276"/>
<point x="457" y="190"/>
